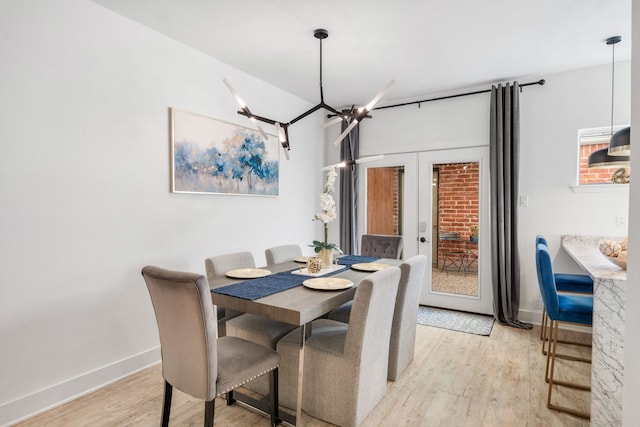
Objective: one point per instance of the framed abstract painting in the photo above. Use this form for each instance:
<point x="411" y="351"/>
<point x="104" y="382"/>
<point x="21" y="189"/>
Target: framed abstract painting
<point x="210" y="156"/>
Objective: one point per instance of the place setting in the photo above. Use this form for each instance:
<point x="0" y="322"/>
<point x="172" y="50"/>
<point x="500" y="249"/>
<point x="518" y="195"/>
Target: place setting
<point x="369" y="266"/>
<point x="248" y="273"/>
<point x="327" y="283"/>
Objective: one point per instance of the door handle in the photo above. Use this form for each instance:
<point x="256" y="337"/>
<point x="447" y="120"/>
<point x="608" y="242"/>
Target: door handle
<point x="423" y="240"/>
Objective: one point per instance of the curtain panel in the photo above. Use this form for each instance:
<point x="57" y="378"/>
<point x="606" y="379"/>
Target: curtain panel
<point x="504" y="157"/>
<point x="349" y="152"/>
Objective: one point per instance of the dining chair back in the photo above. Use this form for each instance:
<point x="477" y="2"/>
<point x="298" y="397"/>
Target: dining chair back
<point x="405" y="315"/>
<point x="283" y="253"/>
<point x="345" y="366"/>
<point x="218" y="265"/>
<point x="194" y="360"/>
<point x="251" y="327"/>
<point x="383" y="246"/>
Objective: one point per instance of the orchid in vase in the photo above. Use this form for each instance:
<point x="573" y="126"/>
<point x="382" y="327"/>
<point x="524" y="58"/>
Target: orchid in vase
<point x="328" y="214"/>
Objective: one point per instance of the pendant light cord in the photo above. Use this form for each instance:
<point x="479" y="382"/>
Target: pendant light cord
<point x="321" y="91"/>
<point x="613" y="79"/>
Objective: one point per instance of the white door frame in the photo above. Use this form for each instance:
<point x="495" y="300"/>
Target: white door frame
<point x="418" y="176"/>
<point x="483" y="303"/>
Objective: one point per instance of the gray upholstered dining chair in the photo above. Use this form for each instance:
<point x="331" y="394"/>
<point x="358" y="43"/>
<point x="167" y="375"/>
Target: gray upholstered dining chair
<point x="345" y="366"/>
<point x="405" y="315"/>
<point x="217" y="266"/>
<point x="378" y="245"/>
<point x="257" y="329"/>
<point x="283" y="253"/>
<point x="194" y="360"/>
<point x="382" y="246"/>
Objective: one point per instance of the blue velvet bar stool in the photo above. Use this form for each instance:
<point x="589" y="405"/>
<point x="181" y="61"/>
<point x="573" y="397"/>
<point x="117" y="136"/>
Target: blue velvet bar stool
<point x="576" y="309"/>
<point x="567" y="283"/>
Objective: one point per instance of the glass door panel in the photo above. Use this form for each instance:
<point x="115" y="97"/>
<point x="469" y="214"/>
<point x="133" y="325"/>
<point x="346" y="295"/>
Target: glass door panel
<point x="407" y="194"/>
<point x="455" y="190"/>
<point x="453" y="199"/>
<point x="387" y="199"/>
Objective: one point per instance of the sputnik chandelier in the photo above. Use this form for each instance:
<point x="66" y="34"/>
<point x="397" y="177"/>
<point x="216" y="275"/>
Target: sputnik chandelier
<point x="354" y="115"/>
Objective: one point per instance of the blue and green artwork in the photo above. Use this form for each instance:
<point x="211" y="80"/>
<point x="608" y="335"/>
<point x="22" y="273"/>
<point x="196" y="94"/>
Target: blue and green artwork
<point x="211" y="156"/>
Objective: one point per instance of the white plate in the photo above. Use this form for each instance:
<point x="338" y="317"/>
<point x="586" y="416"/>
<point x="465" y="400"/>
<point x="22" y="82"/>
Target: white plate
<point x="369" y="266"/>
<point x="328" y="283"/>
<point x="302" y="259"/>
<point x="248" y="273"/>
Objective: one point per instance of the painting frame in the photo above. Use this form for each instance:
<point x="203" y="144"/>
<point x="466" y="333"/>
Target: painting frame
<point x="211" y="156"/>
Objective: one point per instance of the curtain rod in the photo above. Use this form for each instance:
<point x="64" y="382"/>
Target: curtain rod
<point x="540" y="82"/>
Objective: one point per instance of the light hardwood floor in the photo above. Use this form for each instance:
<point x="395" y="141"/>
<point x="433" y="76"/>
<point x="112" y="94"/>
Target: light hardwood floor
<point x="456" y="379"/>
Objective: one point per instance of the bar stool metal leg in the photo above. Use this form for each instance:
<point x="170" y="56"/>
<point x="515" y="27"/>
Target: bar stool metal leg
<point x="551" y="361"/>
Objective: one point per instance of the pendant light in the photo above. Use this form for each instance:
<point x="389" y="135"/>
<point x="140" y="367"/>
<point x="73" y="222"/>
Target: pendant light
<point x="617" y="154"/>
<point x="620" y="144"/>
<point x="601" y="158"/>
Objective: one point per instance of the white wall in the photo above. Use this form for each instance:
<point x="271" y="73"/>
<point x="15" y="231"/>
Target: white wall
<point x="631" y="410"/>
<point x="550" y="117"/>
<point x="84" y="184"/>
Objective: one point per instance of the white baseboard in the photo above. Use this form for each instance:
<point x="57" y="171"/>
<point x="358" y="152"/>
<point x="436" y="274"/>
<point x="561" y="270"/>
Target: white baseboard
<point x="73" y="388"/>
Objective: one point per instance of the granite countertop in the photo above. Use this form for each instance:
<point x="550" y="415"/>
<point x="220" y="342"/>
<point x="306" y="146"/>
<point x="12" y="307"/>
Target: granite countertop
<point x="584" y="250"/>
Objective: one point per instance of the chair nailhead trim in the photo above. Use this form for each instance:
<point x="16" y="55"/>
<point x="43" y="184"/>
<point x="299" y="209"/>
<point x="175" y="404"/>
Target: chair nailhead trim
<point x="246" y="381"/>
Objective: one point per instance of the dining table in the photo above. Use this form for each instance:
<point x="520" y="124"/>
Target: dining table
<point x="297" y="304"/>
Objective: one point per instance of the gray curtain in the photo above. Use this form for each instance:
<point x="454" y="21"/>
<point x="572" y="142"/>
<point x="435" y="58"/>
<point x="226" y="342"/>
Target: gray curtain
<point x="349" y="152"/>
<point x="504" y="155"/>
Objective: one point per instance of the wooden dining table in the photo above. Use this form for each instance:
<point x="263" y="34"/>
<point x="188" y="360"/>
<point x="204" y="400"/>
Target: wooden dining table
<point x="297" y="306"/>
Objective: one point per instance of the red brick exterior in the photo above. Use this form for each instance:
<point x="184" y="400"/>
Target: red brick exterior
<point x="458" y="195"/>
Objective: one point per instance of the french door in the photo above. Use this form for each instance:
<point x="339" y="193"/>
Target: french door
<point x="439" y="202"/>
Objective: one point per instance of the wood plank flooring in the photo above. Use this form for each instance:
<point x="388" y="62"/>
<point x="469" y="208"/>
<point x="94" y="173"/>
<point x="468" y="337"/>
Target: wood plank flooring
<point x="456" y="379"/>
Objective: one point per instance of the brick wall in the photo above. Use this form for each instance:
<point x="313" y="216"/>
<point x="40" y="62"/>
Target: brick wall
<point x="458" y="195"/>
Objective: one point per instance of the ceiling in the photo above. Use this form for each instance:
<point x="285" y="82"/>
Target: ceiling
<point x="427" y="46"/>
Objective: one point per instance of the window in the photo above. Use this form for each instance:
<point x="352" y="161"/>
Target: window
<point x="591" y="140"/>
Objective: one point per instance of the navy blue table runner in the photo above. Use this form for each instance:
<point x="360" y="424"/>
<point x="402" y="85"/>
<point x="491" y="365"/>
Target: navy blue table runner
<point x="259" y="288"/>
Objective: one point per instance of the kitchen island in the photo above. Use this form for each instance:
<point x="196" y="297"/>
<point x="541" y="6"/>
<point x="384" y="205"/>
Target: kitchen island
<point x="609" y="284"/>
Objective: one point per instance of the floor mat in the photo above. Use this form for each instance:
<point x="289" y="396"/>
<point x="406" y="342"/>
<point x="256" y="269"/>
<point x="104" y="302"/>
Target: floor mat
<point x="461" y="321"/>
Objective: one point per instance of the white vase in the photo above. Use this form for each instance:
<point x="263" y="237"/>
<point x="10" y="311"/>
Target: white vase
<point x="326" y="255"/>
